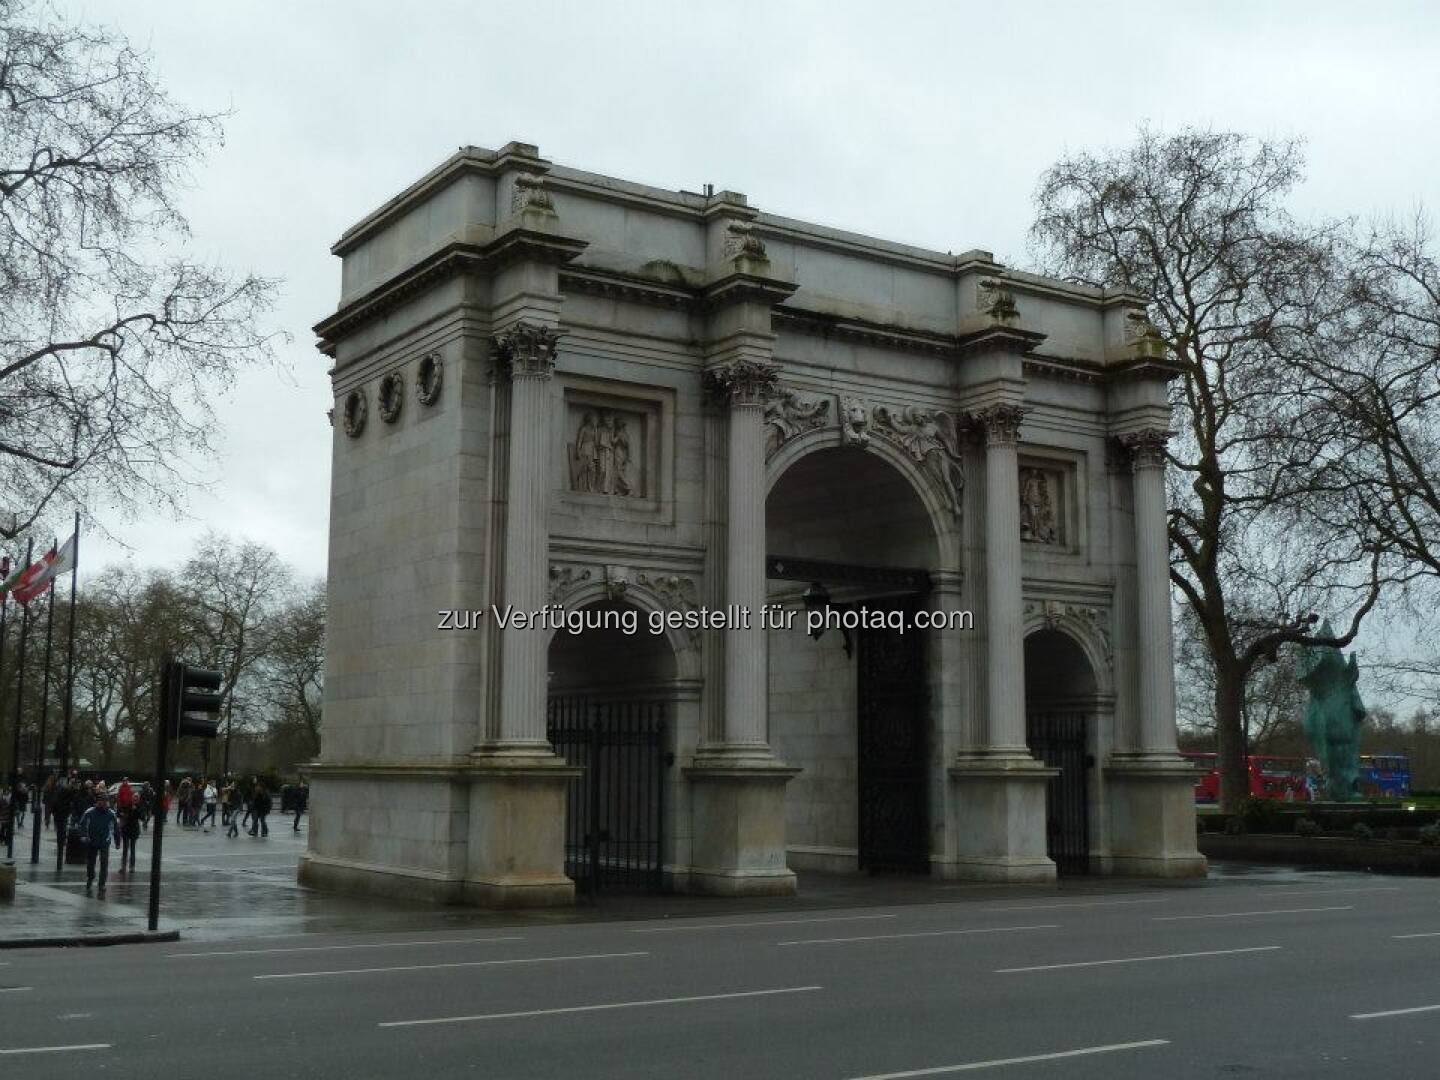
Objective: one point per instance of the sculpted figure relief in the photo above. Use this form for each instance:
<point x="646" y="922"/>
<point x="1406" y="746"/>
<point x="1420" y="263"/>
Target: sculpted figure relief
<point x="931" y="437"/>
<point x="787" y="415"/>
<point x="601" y="455"/>
<point x="1038" y="520"/>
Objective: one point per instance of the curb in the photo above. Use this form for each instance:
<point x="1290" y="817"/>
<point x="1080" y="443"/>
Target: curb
<point x="89" y="940"/>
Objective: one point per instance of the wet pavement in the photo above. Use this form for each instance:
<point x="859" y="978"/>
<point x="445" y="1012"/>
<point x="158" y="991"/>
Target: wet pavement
<point x="218" y="888"/>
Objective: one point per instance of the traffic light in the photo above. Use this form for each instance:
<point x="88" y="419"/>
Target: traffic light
<point x="193" y="696"/>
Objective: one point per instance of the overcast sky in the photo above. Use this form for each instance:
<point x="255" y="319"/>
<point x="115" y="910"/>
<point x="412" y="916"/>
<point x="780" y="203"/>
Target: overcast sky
<point x="924" y="123"/>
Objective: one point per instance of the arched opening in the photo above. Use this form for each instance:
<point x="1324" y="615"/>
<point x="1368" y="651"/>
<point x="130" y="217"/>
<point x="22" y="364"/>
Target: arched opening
<point x="849" y="539"/>
<point x="1060" y="696"/>
<point x="612" y="691"/>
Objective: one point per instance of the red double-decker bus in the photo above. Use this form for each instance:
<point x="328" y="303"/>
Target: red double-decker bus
<point x="1270" y="778"/>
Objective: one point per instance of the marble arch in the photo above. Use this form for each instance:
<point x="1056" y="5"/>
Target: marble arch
<point x="712" y="345"/>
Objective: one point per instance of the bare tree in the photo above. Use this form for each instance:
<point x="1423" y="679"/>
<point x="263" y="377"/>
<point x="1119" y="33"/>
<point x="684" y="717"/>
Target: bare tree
<point x="112" y="338"/>
<point x="238" y="592"/>
<point x="293" y="673"/>
<point x="1195" y="223"/>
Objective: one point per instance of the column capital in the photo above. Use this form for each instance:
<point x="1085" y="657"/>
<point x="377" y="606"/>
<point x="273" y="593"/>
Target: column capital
<point x="1145" y="447"/>
<point x="741" y="382"/>
<point x="527" y="350"/>
<point x="1001" y="424"/>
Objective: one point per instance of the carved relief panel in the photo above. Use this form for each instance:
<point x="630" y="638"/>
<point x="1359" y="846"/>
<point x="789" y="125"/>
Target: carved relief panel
<point x="1050" y="504"/>
<point x="614" y="445"/>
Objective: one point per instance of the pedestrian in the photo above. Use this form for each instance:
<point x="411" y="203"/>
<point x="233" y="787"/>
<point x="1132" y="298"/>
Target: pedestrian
<point x="99" y="827"/>
<point x="47" y="798"/>
<point x="232" y="809"/>
<point x="210" y="795"/>
<point x="183" y="799"/>
<point x="302" y="800"/>
<point x="65" y="795"/>
<point x="22" y="801"/>
<point x="260" y="807"/>
<point x="129" y="836"/>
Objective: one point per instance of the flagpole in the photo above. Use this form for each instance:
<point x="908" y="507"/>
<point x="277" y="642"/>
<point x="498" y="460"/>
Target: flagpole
<point x="44" y="719"/>
<point x="69" y="658"/>
<point x="4" y="611"/>
<point x="19" y="698"/>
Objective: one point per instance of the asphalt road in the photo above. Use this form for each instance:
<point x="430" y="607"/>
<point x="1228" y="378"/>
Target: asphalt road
<point x="1314" y="979"/>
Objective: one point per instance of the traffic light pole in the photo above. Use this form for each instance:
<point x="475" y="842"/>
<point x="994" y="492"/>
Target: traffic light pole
<point x="168" y="691"/>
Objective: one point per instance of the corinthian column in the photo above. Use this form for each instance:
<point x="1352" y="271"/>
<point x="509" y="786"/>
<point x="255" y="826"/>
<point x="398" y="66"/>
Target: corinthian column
<point x="526" y="353"/>
<point x="743" y="386"/>
<point x="1004" y="613"/>
<point x="1152" y="573"/>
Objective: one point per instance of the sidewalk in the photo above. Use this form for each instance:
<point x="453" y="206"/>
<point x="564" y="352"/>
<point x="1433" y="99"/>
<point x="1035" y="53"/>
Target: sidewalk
<point x="216" y="888"/>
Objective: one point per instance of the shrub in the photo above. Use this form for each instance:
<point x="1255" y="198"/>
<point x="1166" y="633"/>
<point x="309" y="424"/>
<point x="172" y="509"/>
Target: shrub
<point x="1430" y="835"/>
<point x="1261" y="815"/>
<point x="1307" y="827"/>
<point x="1361" y="831"/>
<point x="1235" y="825"/>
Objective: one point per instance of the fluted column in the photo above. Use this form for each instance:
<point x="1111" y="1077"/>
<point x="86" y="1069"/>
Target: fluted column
<point x="1004" y="611"/>
<point x="526" y="353"/>
<point x="1152" y="572"/>
<point x="742" y="385"/>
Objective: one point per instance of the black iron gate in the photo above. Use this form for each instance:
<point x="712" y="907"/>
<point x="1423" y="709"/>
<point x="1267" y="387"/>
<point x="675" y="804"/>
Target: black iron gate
<point x="615" y="809"/>
<point x="893" y="729"/>
<point x="1058" y="740"/>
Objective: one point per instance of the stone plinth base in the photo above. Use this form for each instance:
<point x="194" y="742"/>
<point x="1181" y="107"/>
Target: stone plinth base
<point x="517" y="831"/>
<point x="738" y="808"/>
<point x="7" y="881"/>
<point x="998" y="821"/>
<point x="1152" y="818"/>
<point x="397" y="883"/>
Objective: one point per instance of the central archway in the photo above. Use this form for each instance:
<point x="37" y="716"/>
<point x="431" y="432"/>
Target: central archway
<point x="852" y="710"/>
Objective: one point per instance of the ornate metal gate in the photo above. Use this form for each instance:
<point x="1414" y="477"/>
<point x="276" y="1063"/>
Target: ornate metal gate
<point x="893" y="728"/>
<point x="615" y="809"/>
<point x="1058" y="740"/>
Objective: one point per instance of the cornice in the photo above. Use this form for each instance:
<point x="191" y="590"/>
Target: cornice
<point x="452" y="259"/>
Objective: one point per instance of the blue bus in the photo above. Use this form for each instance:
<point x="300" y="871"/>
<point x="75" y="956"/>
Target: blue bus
<point x="1384" y="776"/>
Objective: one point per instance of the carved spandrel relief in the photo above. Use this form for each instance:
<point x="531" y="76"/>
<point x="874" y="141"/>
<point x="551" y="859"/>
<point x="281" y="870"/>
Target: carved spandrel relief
<point x="1039" y="507"/>
<point x="931" y="437"/>
<point x="787" y="416"/>
<point x="605" y="452"/>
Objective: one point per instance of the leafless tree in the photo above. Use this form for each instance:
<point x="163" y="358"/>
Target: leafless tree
<point x="112" y="336"/>
<point x="292" y="675"/>
<point x="1195" y="223"/>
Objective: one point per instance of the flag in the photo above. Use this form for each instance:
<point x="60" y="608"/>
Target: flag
<point x="37" y="576"/>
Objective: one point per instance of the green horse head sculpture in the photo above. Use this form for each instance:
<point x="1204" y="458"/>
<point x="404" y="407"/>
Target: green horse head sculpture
<point x="1333" y="715"/>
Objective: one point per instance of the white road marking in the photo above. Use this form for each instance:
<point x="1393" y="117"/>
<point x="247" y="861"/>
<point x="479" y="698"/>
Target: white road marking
<point x="56" y="1049"/>
<point x="332" y="948"/>
<point x="1407" y="937"/>
<point x="1242" y="914"/>
<point x="1300" y="890"/>
<point x="14" y="989"/>
<point x="746" y="925"/>
<point x="1078" y="904"/>
<point x="464" y="964"/>
<point x="972" y="1066"/>
<point x="1395" y="1012"/>
<point x="597" y="1008"/>
<point x="922" y="933"/>
<point x="1137" y="959"/>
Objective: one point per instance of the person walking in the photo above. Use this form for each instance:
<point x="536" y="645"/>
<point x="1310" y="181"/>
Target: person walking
<point x="129" y="836"/>
<point x="209" y="796"/>
<point x="302" y="800"/>
<point x="22" y="801"/>
<point x="260" y="807"/>
<point x="99" y="827"/>
<point x="47" y="798"/>
<point x="183" y="801"/>
<point x="65" y="794"/>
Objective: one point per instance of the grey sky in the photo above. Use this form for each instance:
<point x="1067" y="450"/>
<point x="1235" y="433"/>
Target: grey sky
<point x="925" y="123"/>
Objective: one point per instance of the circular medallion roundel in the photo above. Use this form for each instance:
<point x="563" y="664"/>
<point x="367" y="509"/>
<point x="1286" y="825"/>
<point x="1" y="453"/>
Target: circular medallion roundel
<point x="429" y="377"/>
<point x="392" y="396"/>
<point x="356" y="408"/>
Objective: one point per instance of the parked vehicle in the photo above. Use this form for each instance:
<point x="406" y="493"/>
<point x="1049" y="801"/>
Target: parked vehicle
<point x="1270" y="778"/>
<point x="1385" y="776"/>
